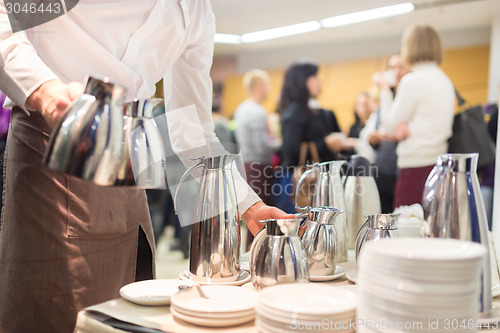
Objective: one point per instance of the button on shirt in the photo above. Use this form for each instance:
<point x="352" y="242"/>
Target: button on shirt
<point x="134" y="43"/>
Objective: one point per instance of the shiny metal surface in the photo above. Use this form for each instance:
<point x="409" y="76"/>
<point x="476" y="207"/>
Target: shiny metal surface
<point x="328" y="191"/>
<point x="87" y="142"/>
<point x="377" y="226"/>
<point x="320" y="240"/>
<point x="143" y="162"/>
<point x="215" y="237"/>
<point x="453" y="208"/>
<point x="361" y="198"/>
<point x="277" y="255"/>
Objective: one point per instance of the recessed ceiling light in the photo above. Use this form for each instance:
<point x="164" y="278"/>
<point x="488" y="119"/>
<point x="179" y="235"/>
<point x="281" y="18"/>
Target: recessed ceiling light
<point x="367" y="15"/>
<point x="227" y="39"/>
<point x="288" y="30"/>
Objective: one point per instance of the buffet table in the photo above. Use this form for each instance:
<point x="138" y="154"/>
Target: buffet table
<point x="90" y="322"/>
<point x="93" y="319"/>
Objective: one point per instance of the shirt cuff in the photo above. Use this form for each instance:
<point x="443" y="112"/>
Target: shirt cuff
<point x="24" y="74"/>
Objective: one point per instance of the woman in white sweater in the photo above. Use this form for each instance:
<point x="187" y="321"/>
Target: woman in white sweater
<point x="420" y="117"/>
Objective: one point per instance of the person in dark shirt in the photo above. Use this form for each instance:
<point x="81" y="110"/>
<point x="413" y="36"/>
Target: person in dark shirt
<point x="302" y="120"/>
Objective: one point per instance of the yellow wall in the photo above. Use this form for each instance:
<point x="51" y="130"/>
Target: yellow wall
<point x="466" y="67"/>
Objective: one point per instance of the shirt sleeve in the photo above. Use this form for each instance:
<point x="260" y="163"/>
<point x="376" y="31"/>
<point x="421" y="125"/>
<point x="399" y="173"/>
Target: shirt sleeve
<point x="400" y="109"/>
<point x="188" y="100"/>
<point x="21" y="69"/>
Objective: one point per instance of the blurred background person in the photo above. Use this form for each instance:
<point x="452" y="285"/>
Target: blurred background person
<point x="487" y="173"/>
<point x="221" y="124"/>
<point x="362" y="111"/>
<point x="302" y="120"/>
<point x="420" y="116"/>
<point x="383" y="146"/>
<point x="363" y="108"/>
<point x="253" y="136"/>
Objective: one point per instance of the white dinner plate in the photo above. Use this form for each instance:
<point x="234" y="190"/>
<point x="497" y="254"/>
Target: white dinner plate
<point x="308" y="298"/>
<point x="220" y="299"/>
<point x="427" y="249"/>
<point x="339" y="272"/>
<point x="152" y="292"/>
<point x="213" y="315"/>
<point x="280" y="318"/>
<point x="265" y="324"/>
<point x="212" y="322"/>
<point x="243" y="278"/>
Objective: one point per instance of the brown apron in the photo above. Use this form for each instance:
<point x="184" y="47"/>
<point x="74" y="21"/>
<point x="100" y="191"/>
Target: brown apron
<point x="65" y="243"/>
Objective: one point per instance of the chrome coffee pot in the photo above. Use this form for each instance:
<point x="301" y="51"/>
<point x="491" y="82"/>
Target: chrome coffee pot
<point x="453" y="208"/>
<point x="377" y="226"/>
<point x="328" y="191"/>
<point x="361" y="194"/>
<point x="277" y="255"/>
<point x="320" y="240"/>
<point x="143" y="163"/>
<point x="87" y="142"/>
<point x="215" y="236"/>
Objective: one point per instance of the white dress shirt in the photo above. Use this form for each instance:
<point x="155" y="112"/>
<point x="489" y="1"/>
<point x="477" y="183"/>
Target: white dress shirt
<point x="134" y="43"/>
<point x="425" y="102"/>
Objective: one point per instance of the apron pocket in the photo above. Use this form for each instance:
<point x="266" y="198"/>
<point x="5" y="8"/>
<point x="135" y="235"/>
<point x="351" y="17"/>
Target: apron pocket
<point x="95" y="211"/>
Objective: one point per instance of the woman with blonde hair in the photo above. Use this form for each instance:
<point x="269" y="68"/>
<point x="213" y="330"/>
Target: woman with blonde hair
<point x="420" y="117"/>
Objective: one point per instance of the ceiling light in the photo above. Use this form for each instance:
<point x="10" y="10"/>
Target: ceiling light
<point x="227" y="39"/>
<point x="367" y="15"/>
<point x="288" y="30"/>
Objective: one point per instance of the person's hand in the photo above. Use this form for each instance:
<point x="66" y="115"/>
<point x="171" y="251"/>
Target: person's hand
<point x="376" y="137"/>
<point x="261" y="211"/>
<point x="380" y="81"/>
<point x="350" y="143"/>
<point x="335" y="142"/>
<point x="52" y="98"/>
<point x="401" y="132"/>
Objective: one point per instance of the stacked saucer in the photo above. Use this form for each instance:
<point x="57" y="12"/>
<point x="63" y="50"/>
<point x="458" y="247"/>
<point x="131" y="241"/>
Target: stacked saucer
<point x="300" y="307"/>
<point x="419" y="285"/>
<point x="214" y="306"/>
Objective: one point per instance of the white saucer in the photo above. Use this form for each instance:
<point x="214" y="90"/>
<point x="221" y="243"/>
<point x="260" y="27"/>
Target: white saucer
<point x="242" y="279"/>
<point x="152" y="292"/>
<point x="352" y="276"/>
<point x="211" y="322"/>
<point x="339" y="271"/>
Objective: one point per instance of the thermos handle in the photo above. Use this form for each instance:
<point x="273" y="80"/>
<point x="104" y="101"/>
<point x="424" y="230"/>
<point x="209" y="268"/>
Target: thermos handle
<point x="299" y="183"/>
<point x="183" y="177"/>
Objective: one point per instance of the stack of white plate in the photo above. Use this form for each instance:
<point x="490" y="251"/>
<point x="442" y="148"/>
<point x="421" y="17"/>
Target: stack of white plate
<point x="214" y="306"/>
<point x="299" y="307"/>
<point x="419" y="285"/>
